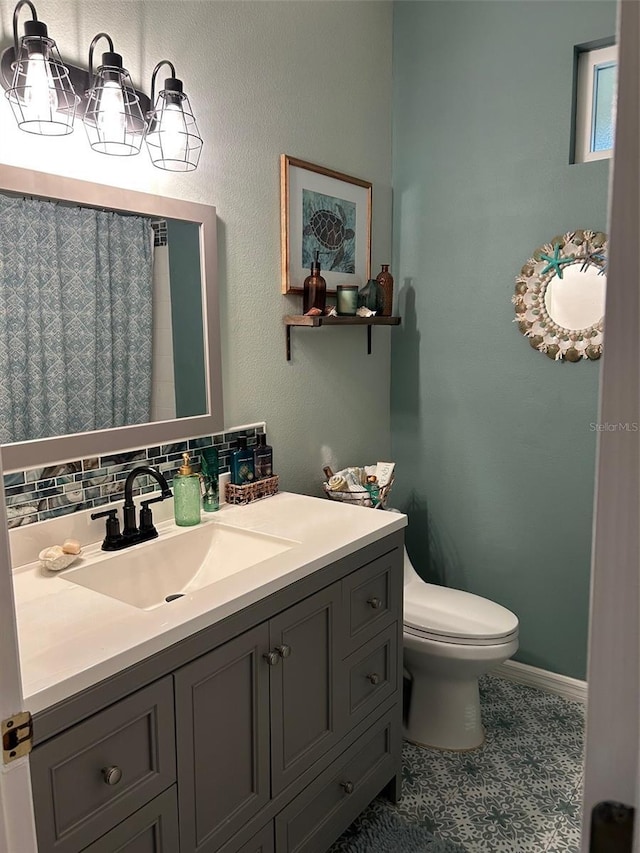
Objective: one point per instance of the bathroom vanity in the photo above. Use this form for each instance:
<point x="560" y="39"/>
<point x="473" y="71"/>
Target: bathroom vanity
<point x="259" y="713"/>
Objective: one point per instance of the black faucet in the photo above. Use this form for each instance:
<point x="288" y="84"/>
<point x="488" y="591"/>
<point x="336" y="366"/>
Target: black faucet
<point x="131" y="535"/>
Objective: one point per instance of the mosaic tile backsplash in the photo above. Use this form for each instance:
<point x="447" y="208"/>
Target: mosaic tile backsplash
<point x="42" y="493"/>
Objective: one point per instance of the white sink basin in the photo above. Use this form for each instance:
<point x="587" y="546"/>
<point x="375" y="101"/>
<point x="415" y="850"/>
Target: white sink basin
<point x="175" y="564"/>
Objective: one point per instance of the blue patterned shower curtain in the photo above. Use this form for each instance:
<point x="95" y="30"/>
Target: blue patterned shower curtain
<point x="75" y="319"/>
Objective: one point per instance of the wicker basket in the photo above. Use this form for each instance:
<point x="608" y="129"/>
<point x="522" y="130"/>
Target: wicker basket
<point x="362" y="498"/>
<point x="251" y="491"/>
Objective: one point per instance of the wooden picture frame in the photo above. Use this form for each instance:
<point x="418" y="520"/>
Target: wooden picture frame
<point x="328" y="212"/>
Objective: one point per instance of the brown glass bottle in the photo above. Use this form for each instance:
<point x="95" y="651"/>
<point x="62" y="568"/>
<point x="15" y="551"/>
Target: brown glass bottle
<point x="385" y="280"/>
<point x="315" y="289"/>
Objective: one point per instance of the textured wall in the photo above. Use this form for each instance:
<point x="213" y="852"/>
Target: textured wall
<point x="496" y="455"/>
<point x="310" y="79"/>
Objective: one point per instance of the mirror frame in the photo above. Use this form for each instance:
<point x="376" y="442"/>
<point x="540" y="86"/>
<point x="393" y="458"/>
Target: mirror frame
<point x="558" y="342"/>
<point x="41" y="452"/>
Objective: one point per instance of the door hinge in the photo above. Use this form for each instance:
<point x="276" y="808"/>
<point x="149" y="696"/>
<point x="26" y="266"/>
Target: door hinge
<point x="611" y="828"/>
<point x="17" y="736"/>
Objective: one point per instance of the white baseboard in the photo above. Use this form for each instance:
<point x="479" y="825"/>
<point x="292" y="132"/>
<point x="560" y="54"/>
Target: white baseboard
<point x="542" y="679"/>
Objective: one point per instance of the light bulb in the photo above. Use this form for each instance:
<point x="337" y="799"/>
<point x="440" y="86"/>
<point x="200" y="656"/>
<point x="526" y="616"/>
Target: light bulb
<point x="40" y="96"/>
<point x="111" y="119"/>
<point x="171" y="131"/>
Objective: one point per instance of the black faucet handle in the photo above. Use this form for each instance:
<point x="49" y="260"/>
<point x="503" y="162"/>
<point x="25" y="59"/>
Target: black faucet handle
<point x="113" y="537"/>
<point x="147" y="529"/>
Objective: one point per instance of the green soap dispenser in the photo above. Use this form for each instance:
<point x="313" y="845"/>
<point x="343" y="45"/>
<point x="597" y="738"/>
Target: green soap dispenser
<point x="186" y="495"/>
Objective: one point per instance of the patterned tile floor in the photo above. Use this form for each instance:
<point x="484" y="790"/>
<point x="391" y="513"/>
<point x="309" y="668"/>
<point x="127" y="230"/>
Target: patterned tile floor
<point x="518" y="793"/>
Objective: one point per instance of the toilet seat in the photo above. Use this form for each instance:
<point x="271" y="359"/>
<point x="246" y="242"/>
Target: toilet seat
<point x="446" y="615"/>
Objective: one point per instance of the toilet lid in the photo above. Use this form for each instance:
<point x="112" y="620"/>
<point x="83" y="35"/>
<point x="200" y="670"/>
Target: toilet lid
<point x="454" y="616"/>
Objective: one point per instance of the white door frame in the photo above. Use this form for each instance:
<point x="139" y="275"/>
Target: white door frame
<point x="613" y="726"/>
<point x="17" y="828"/>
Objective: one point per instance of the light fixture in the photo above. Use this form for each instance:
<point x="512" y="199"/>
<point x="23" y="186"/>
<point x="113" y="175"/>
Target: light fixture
<point x="113" y="116"/>
<point x="117" y="117"/>
<point x="173" y="140"/>
<point x="41" y="94"/>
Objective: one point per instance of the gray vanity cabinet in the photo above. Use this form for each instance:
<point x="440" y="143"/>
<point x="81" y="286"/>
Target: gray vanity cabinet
<point x="268" y="699"/>
<point x="266" y="732"/>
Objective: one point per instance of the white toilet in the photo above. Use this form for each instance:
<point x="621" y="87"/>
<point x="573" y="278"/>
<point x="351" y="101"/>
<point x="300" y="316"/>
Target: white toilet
<point x="451" y="638"/>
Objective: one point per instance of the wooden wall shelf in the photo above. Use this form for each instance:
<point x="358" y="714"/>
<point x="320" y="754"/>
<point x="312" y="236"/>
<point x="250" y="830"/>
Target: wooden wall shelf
<point x="314" y="322"/>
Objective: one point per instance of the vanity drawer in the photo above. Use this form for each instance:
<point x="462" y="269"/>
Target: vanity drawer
<point x="372" y="674"/>
<point x="329" y="804"/>
<point x="91" y="777"/>
<point x="152" y="829"/>
<point x="372" y="598"/>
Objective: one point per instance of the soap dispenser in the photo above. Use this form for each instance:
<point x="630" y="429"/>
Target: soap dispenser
<point x="263" y="458"/>
<point x="315" y="288"/>
<point x="242" y="470"/>
<point x="186" y="495"/>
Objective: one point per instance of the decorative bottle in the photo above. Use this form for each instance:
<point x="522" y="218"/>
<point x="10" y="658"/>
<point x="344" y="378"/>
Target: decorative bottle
<point x="186" y="495"/>
<point x="263" y="458"/>
<point x="315" y="288"/>
<point x="242" y="471"/>
<point x="385" y="280"/>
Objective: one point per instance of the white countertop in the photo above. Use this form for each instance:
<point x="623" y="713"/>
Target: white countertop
<point x="71" y="637"/>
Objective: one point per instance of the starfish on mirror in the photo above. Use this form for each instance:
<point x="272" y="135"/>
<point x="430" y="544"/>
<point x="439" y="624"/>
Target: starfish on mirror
<point x="592" y="259"/>
<point x="555" y="261"/>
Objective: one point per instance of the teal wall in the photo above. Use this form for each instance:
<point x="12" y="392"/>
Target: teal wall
<point x="186" y="317"/>
<point x="495" y="455"/>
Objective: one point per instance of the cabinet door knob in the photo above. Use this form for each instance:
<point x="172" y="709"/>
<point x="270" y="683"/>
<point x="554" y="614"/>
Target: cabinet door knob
<point x="374" y="678"/>
<point x="284" y="651"/>
<point x="271" y="658"/>
<point x="347" y="786"/>
<point x="375" y="602"/>
<point x="112" y="775"/>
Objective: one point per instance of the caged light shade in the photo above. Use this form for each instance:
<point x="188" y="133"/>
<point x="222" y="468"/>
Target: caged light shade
<point x="41" y="94"/>
<point x="172" y="136"/>
<point x="113" y="116"/>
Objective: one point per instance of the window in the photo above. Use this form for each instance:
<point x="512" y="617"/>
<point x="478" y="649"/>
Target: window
<point x="595" y="103"/>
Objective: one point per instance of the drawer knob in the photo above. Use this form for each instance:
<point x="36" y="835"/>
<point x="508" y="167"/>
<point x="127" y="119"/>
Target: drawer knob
<point x="112" y="775"/>
<point x="347" y="786"/>
<point x="272" y="658"/>
<point x="284" y="651"/>
<point x="375" y="602"/>
<point x="374" y="678"/>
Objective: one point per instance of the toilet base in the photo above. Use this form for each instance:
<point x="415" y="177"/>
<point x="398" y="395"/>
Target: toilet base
<point x="444" y="714"/>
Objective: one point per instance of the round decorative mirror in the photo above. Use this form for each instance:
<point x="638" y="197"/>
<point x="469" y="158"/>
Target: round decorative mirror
<point x="560" y="296"/>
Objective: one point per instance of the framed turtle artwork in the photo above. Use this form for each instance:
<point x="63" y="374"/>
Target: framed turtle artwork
<point x="325" y="212"/>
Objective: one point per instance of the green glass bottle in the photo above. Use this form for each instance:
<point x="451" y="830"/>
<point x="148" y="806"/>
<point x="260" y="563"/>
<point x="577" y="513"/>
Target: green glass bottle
<point x="186" y="495"/>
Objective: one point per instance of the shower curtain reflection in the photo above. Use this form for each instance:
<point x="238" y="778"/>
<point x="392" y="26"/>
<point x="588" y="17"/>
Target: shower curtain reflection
<point x="75" y="319"/>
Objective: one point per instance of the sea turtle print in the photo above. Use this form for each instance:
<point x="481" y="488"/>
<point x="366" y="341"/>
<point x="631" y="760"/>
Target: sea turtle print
<point x="328" y="228"/>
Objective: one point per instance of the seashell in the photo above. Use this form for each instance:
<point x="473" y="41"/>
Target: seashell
<point x="593" y="352"/>
<point x="54" y="558"/>
<point x="552" y="350"/>
<point x="365" y="312"/>
<point x="314" y="312"/>
<point x="337" y="483"/>
<point x="572" y="354"/>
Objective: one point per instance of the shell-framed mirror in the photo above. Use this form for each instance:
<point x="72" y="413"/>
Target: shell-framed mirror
<point x="560" y="296"/>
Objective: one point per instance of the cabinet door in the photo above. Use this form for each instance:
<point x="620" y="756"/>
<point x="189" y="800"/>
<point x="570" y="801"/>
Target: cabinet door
<point x="222" y="724"/>
<point x="305" y="685"/>
<point x="152" y="829"/>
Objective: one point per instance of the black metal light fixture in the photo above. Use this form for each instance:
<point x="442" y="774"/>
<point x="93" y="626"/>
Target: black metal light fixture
<point x="173" y="140"/>
<point x="41" y="94"/>
<point x="113" y="117"/>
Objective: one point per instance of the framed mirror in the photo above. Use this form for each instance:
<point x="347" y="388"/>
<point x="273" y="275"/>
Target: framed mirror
<point x="560" y="296"/>
<point x="171" y="359"/>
